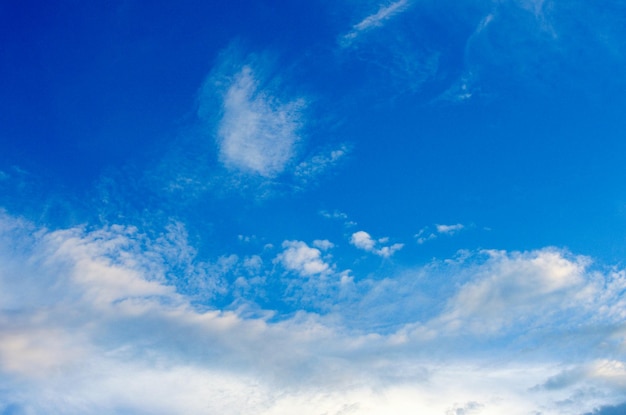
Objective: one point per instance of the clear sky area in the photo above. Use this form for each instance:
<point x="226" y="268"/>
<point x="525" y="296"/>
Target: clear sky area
<point x="313" y="207"/>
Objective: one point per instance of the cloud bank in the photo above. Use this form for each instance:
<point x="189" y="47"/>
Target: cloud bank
<point x="93" y="321"/>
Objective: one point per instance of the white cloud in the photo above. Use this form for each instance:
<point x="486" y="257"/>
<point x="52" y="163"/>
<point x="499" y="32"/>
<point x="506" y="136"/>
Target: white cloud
<point x="260" y="125"/>
<point x="257" y="133"/>
<point x="519" y="286"/>
<point x="336" y="214"/>
<point x="253" y="263"/>
<point x="364" y="241"/>
<point x="319" y="163"/>
<point x="301" y="258"/>
<point x="323" y="244"/>
<point x="91" y="323"/>
<point x="377" y="19"/>
<point x="425" y="234"/>
<point x="449" y="229"/>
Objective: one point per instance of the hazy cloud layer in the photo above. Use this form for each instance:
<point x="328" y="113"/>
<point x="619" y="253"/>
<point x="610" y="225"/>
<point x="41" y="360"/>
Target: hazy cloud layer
<point x="92" y="323"/>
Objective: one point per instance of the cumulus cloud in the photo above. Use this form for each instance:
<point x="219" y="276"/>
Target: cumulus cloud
<point x="257" y="132"/>
<point x="298" y="257"/>
<point x="377" y="19"/>
<point x="364" y="241"/>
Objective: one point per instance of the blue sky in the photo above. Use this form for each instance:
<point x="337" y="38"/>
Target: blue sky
<point x="321" y="207"/>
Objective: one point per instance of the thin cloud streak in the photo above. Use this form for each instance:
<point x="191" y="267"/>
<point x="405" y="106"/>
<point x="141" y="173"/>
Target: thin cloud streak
<point x="375" y="20"/>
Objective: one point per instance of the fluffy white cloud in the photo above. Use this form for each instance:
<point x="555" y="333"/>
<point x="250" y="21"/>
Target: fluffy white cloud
<point x="301" y="258"/>
<point x="257" y="132"/>
<point x="364" y="241"/>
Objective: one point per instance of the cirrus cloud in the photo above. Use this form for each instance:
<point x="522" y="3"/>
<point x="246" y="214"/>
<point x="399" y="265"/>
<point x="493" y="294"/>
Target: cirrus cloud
<point x="257" y="133"/>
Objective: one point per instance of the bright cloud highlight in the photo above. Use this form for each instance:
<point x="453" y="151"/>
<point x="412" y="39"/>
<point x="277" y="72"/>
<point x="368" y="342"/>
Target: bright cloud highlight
<point x="364" y="241"/>
<point x="302" y="259"/>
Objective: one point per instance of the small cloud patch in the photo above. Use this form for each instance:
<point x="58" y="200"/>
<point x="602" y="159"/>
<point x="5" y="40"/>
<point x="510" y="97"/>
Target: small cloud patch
<point x="365" y="242"/>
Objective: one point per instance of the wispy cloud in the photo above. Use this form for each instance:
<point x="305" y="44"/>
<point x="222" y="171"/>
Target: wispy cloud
<point x="525" y="38"/>
<point x="338" y="215"/>
<point x="426" y="234"/>
<point x="261" y="127"/>
<point x="257" y="133"/>
<point x="449" y="229"/>
<point x="364" y="241"/>
<point x="311" y="168"/>
<point x="377" y="19"/>
<point x="461" y="90"/>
